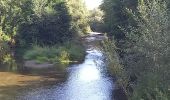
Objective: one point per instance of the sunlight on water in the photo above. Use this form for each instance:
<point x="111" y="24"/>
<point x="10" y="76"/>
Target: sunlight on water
<point x="89" y="69"/>
<point x="86" y="81"/>
<point x="89" y="73"/>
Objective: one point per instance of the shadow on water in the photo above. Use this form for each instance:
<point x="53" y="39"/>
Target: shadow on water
<point x="16" y="79"/>
<point x="87" y="81"/>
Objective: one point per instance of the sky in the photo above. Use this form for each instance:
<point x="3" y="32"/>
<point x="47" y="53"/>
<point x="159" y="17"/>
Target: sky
<point x="91" y="4"/>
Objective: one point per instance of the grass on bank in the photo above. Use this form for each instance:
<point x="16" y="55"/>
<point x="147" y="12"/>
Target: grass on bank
<point x="65" y="53"/>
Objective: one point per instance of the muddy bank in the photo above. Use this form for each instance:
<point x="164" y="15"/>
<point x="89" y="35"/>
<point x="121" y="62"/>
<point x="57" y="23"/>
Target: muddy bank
<point x="13" y="84"/>
<point x="34" y="64"/>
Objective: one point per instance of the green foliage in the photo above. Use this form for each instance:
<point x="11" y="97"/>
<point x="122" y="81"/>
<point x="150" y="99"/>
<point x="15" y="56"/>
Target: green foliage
<point x="96" y="20"/>
<point x="33" y="16"/>
<point x="153" y="45"/>
<point x="65" y="53"/>
<point x="54" y="22"/>
<point x="43" y="22"/>
<point x="12" y="14"/>
<point x="116" y="16"/>
<point x="79" y="17"/>
<point x="49" y="25"/>
<point x="145" y="52"/>
<point x="114" y="64"/>
<point x="4" y="47"/>
<point x="64" y="57"/>
<point x="76" y="51"/>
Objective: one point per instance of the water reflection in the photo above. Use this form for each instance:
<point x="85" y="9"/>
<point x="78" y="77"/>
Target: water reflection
<point x="88" y="74"/>
<point x="9" y="63"/>
<point x="90" y="69"/>
<point x="86" y="81"/>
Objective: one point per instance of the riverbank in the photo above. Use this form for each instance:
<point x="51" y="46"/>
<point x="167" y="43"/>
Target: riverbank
<point x="13" y="84"/>
<point x="28" y="83"/>
<point x="64" y="53"/>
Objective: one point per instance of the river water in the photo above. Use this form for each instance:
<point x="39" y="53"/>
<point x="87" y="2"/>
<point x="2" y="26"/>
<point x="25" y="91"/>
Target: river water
<point x="87" y="81"/>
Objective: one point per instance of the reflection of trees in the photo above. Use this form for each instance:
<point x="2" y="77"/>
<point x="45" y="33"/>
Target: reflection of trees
<point x="9" y="62"/>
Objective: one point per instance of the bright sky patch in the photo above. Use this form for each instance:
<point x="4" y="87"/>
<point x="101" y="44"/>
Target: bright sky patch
<point x="91" y="4"/>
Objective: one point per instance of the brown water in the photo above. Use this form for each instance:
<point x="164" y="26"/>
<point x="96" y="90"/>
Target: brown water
<point x="87" y="81"/>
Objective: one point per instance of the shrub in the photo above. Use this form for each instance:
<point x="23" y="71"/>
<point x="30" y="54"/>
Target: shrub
<point x="65" y="53"/>
<point x="145" y="62"/>
<point x="150" y="51"/>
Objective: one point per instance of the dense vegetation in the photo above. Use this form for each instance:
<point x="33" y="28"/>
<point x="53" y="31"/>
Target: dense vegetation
<point x="115" y="16"/>
<point x="96" y="20"/>
<point x="44" y="23"/>
<point x="79" y="16"/>
<point x="69" y="52"/>
<point x="139" y="55"/>
<point x="49" y="31"/>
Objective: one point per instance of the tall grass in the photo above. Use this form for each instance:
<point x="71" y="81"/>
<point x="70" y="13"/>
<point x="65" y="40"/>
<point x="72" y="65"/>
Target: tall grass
<point x="114" y="64"/>
<point x="65" y="53"/>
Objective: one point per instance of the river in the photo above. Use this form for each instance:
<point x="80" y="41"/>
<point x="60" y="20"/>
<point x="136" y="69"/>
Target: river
<point x="89" y="80"/>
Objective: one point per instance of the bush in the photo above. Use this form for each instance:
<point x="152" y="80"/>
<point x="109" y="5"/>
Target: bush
<point x="47" y="28"/>
<point x="65" y="53"/>
<point x="146" y="53"/>
<point x="76" y="51"/>
<point x="150" y="51"/>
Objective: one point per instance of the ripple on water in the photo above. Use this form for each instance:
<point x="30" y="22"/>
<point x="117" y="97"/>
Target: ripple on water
<point x="86" y="81"/>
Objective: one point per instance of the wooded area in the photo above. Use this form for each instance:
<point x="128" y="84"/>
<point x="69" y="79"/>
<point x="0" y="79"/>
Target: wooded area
<point x="41" y="23"/>
<point x="137" y="47"/>
<point x="141" y="34"/>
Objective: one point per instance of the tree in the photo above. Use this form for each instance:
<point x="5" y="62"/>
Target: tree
<point x="50" y="24"/>
<point x="117" y="17"/>
<point x="144" y="64"/>
<point x="153" y="47"/>
<point x="79" y="16"/>
<point x="96" y="20"/>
